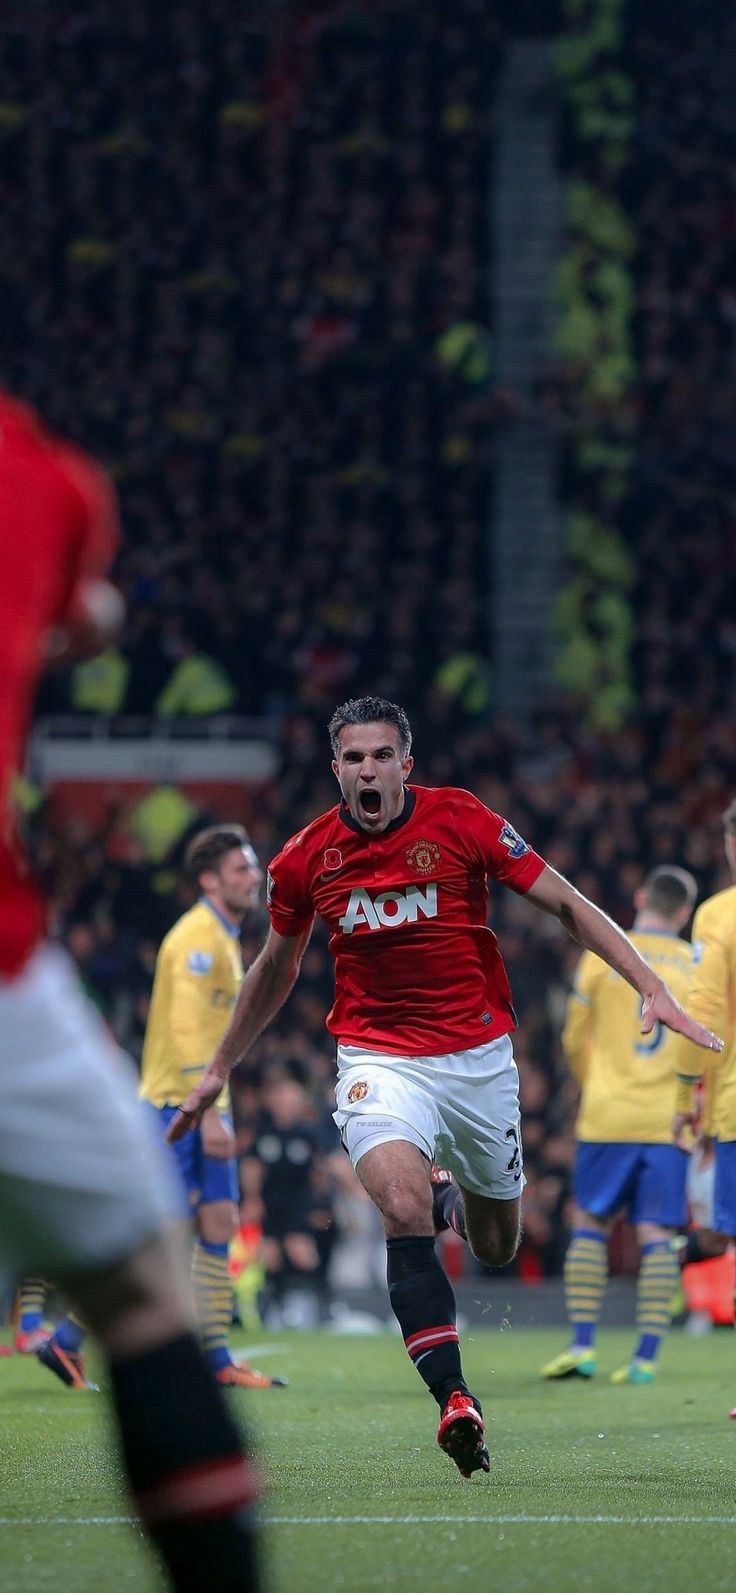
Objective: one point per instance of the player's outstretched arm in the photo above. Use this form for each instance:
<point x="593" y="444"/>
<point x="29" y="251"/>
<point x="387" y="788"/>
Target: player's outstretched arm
<point x="264" y="989"/>
<point x="597" y="932"/>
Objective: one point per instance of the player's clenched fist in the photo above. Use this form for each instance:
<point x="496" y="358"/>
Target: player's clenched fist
<point x="199" y="1099"/>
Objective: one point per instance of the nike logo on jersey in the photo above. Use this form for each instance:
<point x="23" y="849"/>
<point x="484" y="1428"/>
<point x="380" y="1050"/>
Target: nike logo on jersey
<point x="389" y="909"/>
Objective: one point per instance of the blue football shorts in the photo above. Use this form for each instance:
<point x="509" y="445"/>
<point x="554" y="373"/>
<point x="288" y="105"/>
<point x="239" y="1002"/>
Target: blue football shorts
<point x="205" y="1178"/>
<point x="724" y="1197"/>
<point x="645" y="1181"/>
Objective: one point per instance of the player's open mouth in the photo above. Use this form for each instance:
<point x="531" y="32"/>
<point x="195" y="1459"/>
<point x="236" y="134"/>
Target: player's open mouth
<point x="370" y="801"/>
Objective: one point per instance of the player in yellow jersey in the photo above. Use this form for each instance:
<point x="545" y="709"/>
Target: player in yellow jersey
<point x="625" y="1158"/>
<point x="713" y="990"/>
<point x="198" y="974"/>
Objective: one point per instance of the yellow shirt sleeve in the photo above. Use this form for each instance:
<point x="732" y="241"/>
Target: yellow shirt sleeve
<point x="577" y="1032"/>
<point x="708" y="1002"/>
<point x="708" y="999"/>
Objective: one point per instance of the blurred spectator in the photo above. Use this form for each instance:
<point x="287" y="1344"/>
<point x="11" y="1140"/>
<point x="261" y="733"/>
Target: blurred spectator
<point x="244" y="262"/>
<point x="160" y="821"/>
<point x="98" y="685"/>
<point x="197" y="684"/>
<point x="286" y="1191"/>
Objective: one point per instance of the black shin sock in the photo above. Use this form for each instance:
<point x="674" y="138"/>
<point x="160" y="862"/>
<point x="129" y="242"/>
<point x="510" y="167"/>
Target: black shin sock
<point x="698" y="1248"/>
<point x="188" y="1476"/>
<point x="424" y="1306"/>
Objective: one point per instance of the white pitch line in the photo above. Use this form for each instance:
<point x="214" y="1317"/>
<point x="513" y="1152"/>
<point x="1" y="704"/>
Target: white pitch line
<point x="401" y="1521"/>
<point x="250" y="1350"/>
<point x="498" y="1521"/>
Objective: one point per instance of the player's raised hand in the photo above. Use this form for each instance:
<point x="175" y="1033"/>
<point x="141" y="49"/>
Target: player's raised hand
<point x="661" y="1007"/>
<point x="203" y="1095"/>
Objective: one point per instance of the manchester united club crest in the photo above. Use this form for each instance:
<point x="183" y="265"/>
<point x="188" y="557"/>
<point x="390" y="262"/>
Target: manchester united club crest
<point x="332" y="860"/>
<point x="424" y="856"/>
<point x="357" y="1092"/>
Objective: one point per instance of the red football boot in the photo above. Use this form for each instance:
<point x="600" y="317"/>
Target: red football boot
<point x="240" y="1375"/>
<point x="461" y="1434"/>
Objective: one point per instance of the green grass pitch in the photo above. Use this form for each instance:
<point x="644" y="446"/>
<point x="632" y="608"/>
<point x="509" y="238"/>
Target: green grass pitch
<point x="591" y="1486"/>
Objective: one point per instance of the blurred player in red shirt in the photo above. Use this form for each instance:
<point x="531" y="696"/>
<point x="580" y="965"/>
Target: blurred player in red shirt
<point x="85" y="1198"/>
<point x="422" y="1017"/>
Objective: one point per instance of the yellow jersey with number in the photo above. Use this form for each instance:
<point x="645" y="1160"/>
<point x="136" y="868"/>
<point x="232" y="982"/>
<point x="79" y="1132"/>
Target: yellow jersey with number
<point x="713" y="1002"/>
<point x="627" y="1079"/>
<point x="198" y="974"/>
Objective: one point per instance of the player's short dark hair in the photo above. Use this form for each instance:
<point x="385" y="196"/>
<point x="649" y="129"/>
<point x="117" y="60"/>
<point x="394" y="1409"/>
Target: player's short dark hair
<point x="370" y="711"/>
<point x="729" y="818"/>
<point x="668" y="889"/>
<point x="208" y="847"/>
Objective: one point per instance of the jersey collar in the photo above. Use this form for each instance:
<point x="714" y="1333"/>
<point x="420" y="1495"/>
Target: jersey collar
<point x="410" y="802"/>
<point x="233" y="930"/>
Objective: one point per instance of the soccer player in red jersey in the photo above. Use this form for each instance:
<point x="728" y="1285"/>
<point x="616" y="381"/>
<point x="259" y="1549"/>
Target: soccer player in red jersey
<point x="85" y="1198"/>
<point x="422" y="1016"/>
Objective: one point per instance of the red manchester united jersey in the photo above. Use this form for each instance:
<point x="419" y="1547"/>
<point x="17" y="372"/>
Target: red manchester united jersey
<point x="417" y="970"/>
<point x="57" y="524"/>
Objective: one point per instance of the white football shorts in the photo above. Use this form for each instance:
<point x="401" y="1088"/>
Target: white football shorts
<point x="461" y="1110"/>
<point x="83" y="1179"/>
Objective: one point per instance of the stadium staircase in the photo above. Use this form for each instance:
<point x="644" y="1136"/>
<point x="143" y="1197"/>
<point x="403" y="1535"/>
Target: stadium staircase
<point x="525" y="529"/>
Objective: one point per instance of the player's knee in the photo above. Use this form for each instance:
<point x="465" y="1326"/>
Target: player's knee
<point x="301" y="1251"/>
<point x="405" y="1212"/>
<point x="271" y="1254"/>
<point x="496" y="1247"/>
<point x="217" y="1222"/>
<point x="140" y="1301"/>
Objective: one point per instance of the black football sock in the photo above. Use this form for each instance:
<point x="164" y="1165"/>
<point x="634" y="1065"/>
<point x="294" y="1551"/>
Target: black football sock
<point x="271" y="1296"/>
<point x="424" y="1306"/>
<point x="692" y="1251"/>
<point x="698" y="1248"/>
<point x="447" y="1209"/>
<point x="192" y="1487"/>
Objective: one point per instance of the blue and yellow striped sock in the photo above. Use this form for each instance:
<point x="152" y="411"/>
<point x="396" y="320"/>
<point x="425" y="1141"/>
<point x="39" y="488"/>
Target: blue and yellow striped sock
<point x="586" y="1275"/>
<point x="31" y="1301"/>
<point x="658" y="1275"/>
<point x="213" y="1296"/>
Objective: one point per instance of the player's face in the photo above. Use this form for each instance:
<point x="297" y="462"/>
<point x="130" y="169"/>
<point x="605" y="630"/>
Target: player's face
<point x="239" y="881"/>
<point x="371" y="772"/>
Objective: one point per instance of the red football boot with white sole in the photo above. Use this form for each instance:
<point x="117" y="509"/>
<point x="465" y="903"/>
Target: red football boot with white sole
<point x="461" y="1434"/>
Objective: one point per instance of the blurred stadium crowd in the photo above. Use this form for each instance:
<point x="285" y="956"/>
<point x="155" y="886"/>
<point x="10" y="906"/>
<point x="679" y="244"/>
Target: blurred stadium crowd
<point x="252" y="277"/>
